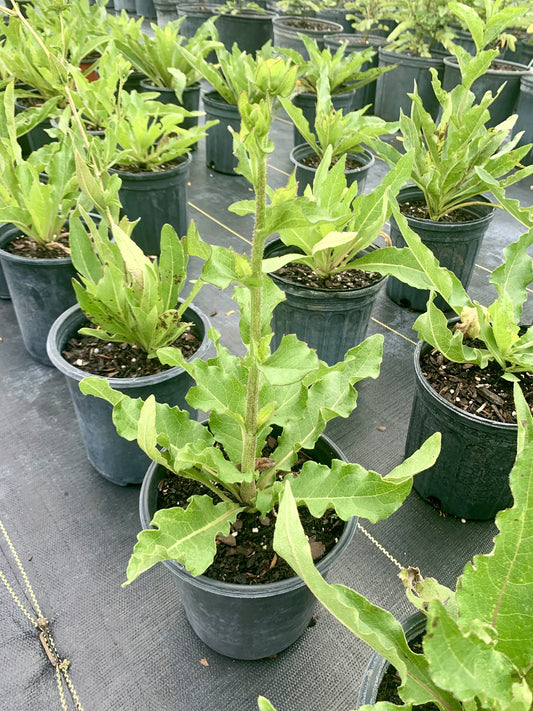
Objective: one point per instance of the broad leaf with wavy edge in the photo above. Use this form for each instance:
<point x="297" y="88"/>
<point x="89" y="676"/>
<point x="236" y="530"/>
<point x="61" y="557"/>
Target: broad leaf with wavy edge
<point x="375" y="626"/>
<point x="184" y="535"/>
<point x="353" y="491"/>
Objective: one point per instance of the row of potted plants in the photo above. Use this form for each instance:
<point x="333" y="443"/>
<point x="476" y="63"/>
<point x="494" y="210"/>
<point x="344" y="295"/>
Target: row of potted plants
<point x="268" y="408"/>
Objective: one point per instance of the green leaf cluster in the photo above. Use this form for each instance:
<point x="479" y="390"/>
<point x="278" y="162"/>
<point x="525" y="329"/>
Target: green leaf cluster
<point x="344" y="69"/>
<point x="345" y="133"/>
<point x="149" y="133"/>
<point x="129" y="297"/>
<point x="369" y="15"/>
<point x="38" y="206"/>
<point x="338" y="224"/>
<point x="478" y="646"/>
<point x="457" y="157"/>
<point x="161" y="57"/>
<point x="497" y="326"/>
<point x="237" y="72"/>
<point x="422" y="25"/>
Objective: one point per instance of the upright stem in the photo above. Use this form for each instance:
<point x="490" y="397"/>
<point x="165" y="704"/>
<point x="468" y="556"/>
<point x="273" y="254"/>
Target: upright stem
<point x="248" y="489"/>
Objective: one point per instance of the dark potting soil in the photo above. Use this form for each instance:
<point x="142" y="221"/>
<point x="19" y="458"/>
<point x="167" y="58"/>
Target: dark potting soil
<point x="246" y="556"/>
<point x="313" y="161"/>
<point x="121" y="360"/>
<point x="144" y="169"/>
<point x="303" y="23"/>
<point x="478" y="391"/>
<point x="26" y="247"/>
<point x="388" y="689"/>
<point x="419" y="210"/>
<point x="347" y="280"/>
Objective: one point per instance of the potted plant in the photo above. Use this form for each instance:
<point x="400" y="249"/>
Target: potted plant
<point x="152" y="160"/>
<point x="327" y="303"/>
<point x="477" y="645"/>
<point x="501" y="77"/>
<point x="344" y="70"/>
<point x="246" y="23"/>
<point x="160" y="59"/>
<point x="34" y="251"/>
<point x="127" y="309"/>
<point x="372" y="18"/>
<point x="282" y="398"/>
<point x="346" y="134"/>
<point x="233" y="73"/>
<point x="411" y="47"/>
<point x="446" y="206"/>
<point x="464" y="371"/>
<point x="297" y="18"/>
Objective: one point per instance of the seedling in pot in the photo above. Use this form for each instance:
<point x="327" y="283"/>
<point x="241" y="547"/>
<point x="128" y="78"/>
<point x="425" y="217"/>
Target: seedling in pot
<point x="247" y="396"/>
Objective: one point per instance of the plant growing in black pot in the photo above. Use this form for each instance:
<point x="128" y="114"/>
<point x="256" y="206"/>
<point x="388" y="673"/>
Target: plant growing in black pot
<point x="234" y="72"/>
<point x="150" y="153"/>
<point x="34" y="249"/>
<point x="128" y="306"/>
<point x="346" y="134"/>
<point x="311" y="263"/>
<point x="476" y="641"/>
<point x="414" y="46"/>
<point x="161" y="60"/>
<point x="457" y="158"/>
<point x="267" y="411"/>
<point x="344" y="70"/>
<point x="465" y="369"/>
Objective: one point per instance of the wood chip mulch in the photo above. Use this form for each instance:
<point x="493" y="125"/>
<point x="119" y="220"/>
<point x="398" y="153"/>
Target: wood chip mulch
<point x="481" y="392"/>
<point x="23" y="246"/>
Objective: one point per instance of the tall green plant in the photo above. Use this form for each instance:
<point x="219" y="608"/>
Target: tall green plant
<point x="246" y="396"/>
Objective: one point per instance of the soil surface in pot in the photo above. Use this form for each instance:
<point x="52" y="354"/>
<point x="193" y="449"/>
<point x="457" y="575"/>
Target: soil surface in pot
<point x="419" y="210"/>
<point x="155" y="169"/>
<point x="23" y="246"/>
<point x="478" y="391"/>
<point x="121" y="360"/>
<point x="347" y="280"/>
<point x="246" y="556"/>
<point x="303" y="24"/>
<point x="313" y="161"/>
<point x="388" y="689"/>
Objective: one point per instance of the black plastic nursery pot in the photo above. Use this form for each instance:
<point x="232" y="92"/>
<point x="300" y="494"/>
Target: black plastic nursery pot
<point x="413" y="626"/>
<point x="250" y="30"/>
<point x="219" y="141"/>
<point x="190" y="99"/>
<point x="393" y="87"/>
<point x="195" y="15"/>
<point x="330" y="320"/>
<point x="455" y="244"/>
<point x="366" y="95"/>
<point x="158" y="198"/>
<point x="288" y="27"/>
<point x="145" y="8"/>
<point x="470" y="478"/>
<point x="307" y="103"/>
<point x="502" y="74"/>
<point x="335" y="14"/>
<point x="120" y="461"/>
<point x="524" y="109"/>
<point x="165" y="11"/>
<point x="306" y="174"/>
<point x="245" y="621"/>
<point x="40" y="290"/>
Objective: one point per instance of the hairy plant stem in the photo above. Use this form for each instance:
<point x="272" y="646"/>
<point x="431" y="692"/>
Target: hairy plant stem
<point x="248" y="489"/>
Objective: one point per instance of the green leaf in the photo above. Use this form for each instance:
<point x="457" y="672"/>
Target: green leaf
<point x="353" y="491"/>
<point x="290" y="362"/>
<point x="496" y="589"/>
<point x="512" y="278"/>
<point x="184" y="535"/>
<point x="375" y="626"/>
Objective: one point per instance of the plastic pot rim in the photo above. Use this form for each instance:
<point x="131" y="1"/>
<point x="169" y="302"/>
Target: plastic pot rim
<point x="154" y="175"/>
<point x="69" y="370"/>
